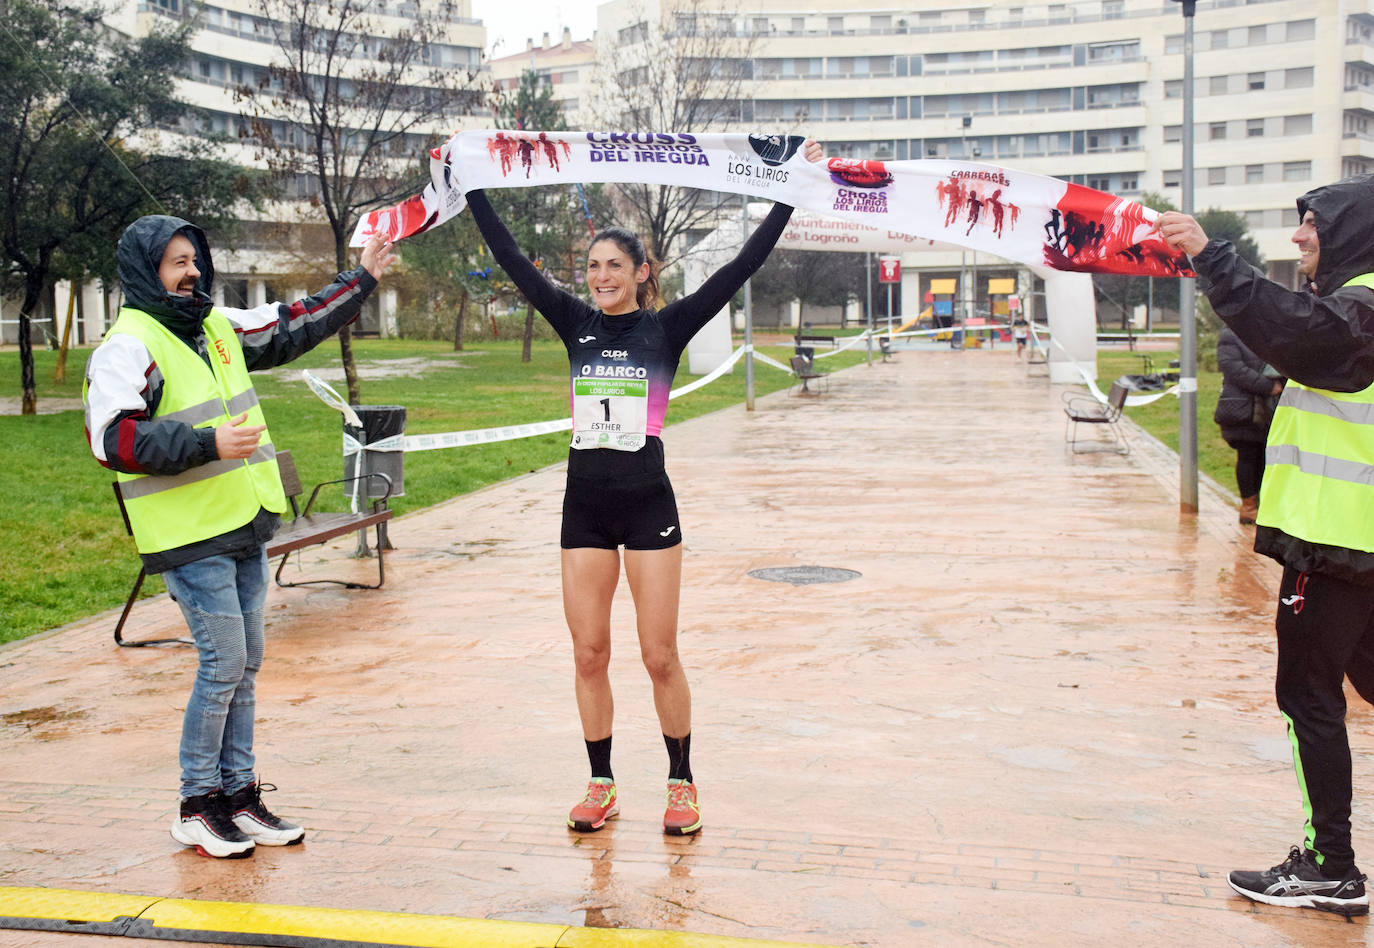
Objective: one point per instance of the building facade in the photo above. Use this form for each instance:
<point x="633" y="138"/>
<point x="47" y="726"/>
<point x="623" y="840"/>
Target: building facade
<point x="235" y="45"/>
<point x="1086" y="90"/>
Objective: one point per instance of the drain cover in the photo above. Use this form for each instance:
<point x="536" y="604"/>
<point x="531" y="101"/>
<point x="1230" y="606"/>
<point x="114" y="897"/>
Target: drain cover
<point x="804" y="575"/>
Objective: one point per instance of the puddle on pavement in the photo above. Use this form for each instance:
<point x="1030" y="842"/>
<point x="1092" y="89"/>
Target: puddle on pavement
<point x="46" y="721"/>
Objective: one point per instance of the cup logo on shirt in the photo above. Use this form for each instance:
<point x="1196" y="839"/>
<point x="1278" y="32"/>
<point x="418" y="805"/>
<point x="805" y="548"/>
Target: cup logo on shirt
<point x="222" y="350"/>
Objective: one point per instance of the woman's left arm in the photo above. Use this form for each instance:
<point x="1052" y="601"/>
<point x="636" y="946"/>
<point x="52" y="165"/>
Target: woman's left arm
<point x="696" y="309"/>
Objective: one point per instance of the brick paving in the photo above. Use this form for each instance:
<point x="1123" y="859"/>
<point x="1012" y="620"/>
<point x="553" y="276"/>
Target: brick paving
<point x="1040" y="716"/>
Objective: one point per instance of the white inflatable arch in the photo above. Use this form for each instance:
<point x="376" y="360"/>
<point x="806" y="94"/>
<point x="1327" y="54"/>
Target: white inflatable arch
<point x="1069" y="305"/>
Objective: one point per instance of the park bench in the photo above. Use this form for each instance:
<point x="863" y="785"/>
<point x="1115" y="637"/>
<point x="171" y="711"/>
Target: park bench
<point x="805" y="339"/>
<point x="804" y="370"/>
<point x="1080" y="409"/>
<point x="304" y="529"/>
<point x="885" y="346"/>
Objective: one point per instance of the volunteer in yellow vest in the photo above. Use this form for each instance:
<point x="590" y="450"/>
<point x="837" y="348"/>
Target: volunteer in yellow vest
<point x="1316" y="509"/>
<point x="170" y="408"/>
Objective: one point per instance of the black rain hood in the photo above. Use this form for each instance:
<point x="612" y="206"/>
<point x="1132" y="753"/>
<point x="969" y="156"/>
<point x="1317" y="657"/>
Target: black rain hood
<point x="1345" y="239"/>
<point x="139" y="255"/>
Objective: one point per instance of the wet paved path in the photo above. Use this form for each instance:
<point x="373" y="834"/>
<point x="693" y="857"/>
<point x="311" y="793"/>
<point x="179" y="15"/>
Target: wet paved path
<point x="1041" y="716"/>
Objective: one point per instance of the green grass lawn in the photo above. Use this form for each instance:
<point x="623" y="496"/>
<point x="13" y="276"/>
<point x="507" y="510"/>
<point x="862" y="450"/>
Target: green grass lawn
<point x="65" y="554"/>
<point x="1215" y="458"/>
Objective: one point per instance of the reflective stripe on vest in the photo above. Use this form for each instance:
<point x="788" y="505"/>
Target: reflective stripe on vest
<point x="1319" y="464"/>
<point x="210" y="499"/>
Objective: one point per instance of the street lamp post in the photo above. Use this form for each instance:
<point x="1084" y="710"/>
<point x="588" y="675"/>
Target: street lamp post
<point x="1187" y="299"/>
<point x="748" y="318"/>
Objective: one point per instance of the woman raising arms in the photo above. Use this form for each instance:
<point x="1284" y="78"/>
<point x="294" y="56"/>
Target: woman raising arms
<point x="623" y="357"/>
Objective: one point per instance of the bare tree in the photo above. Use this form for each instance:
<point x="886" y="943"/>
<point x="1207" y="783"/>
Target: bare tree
<point x="352" y="102"/>
<point x="679" y="68"/>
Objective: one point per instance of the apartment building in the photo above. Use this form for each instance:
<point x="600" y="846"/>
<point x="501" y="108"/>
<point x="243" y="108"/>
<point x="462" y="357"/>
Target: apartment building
<point x="566" y="67"/>
<point x="1085" y="90"/>
<point x="233" y="46"/>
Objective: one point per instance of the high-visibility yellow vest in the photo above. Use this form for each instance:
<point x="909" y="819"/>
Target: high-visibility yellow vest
<point x="1319" y="464"/>
<point x="211" y="499"/>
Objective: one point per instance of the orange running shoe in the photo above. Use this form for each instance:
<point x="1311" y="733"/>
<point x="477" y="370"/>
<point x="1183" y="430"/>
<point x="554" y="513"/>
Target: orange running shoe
<point x="596" y="807"/>
<point x="683" y="816"/>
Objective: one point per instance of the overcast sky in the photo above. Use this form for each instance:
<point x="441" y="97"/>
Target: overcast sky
<point x="510" y="22"/>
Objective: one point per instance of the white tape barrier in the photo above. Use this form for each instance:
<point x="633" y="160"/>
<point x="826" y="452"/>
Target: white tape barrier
<point x="333" y="399"/>
<point x="463" y="439"/>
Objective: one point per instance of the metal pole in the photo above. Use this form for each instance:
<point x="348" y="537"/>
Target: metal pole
<point x="868" y="305"/>
<point x="1187" y="300"/>
<point x="748" y="322"/>
<point x="889" y="311"/>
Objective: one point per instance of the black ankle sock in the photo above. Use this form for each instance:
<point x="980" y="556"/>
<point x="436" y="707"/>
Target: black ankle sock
<point x="679" y="757"/>
<point x="599" y="754"/>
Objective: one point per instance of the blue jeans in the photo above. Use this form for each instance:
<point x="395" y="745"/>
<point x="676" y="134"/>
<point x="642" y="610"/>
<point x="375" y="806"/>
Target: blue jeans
<point x="222" y="599"/>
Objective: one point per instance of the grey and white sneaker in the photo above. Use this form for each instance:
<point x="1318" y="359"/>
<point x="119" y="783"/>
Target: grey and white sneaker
<point x="205" y="824"/>
<point x="1298" y="882"/>
<point x="258" y="823"/>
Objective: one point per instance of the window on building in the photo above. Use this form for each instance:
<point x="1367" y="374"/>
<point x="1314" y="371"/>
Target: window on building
<point x="759" y="24"/>
<point x="1254" y="174"/>
<point x="1217" y="85"/>
<point x="1216" y="131"/>
<point x="1113" y="9"/>
<point x="1297" y="170"/>
<point x="1173" y="179"/>
<point x="1253" y="219"/>
<point x="1297" y="125"/>
<point x="835" y="24"/>
<point x="1255" y="81"/>
<point x="1254" y="128"/>
<point x="1173" y="133"/>
<point x="1300" y="78"/>
<point x="880" y="24"/>
<point x="1173" y="88"/>
<point x="1173" y="44"/>
<point x="977" y="17"/>
<point x="1257" y="35"/>
<point x="1216" y="177"/>
<point x="635" y="33"/>
<point x="1129" y="183"/>
<point x="1290" y="217"/>
<point x="1299" y="30"/>
<point x="798" y="25"/>
<point x="1059" y="13"/>
<point x="1103" y="183"/>
<point x="1221" y="39"/>
<point x="1114" y="52"/>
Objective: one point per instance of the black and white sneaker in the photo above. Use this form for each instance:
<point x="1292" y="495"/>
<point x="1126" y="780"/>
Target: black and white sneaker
<point x="205" y="824"/>
<point x="1298" y="882"/>
<point x="257" y="822"/>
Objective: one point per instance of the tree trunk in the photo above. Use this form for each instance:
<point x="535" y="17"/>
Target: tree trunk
<point x="458" y="323"/>
<point x="32" y="293"/>
<point x="59" y="374"/>
<point x="355" y="393"/>
<point x="529" y="332"/>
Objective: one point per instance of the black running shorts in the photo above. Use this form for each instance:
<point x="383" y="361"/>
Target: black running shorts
<point x="638" y="515"/>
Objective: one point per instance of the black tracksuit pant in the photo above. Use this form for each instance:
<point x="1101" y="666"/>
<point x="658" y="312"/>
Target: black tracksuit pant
<point x="1325" y="633"/>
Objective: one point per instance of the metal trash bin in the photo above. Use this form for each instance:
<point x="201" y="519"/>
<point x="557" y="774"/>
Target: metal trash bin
<point x="381" y="423"/>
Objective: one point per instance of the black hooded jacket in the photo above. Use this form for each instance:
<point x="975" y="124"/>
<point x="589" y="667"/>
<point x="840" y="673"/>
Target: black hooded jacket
<point x="124" y="386"/>
<point x="1321" y="336"/>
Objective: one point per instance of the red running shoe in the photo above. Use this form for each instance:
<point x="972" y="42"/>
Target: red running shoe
<point x="596" y="807"/>
<point x="683" y="816"/>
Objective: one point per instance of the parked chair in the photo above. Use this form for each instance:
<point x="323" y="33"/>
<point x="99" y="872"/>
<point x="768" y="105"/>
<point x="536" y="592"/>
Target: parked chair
<point x="1087" y="410"/>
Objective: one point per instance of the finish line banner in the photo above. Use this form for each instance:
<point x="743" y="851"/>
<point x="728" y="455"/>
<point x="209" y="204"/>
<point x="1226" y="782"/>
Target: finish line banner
<point x="1028" y="218"/>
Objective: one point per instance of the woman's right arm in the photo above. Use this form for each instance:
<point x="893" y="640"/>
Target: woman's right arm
<point x="551" y="302"/>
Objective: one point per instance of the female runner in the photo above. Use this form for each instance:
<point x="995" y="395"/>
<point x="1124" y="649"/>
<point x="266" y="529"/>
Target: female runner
<point x="623" y="357"/>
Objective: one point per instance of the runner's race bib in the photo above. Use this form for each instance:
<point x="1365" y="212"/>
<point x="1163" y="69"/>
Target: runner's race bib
<point x="610" y="413"/>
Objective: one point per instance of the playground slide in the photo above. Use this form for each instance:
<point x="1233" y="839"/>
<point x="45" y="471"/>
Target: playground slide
<point x="912" y="322"/>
